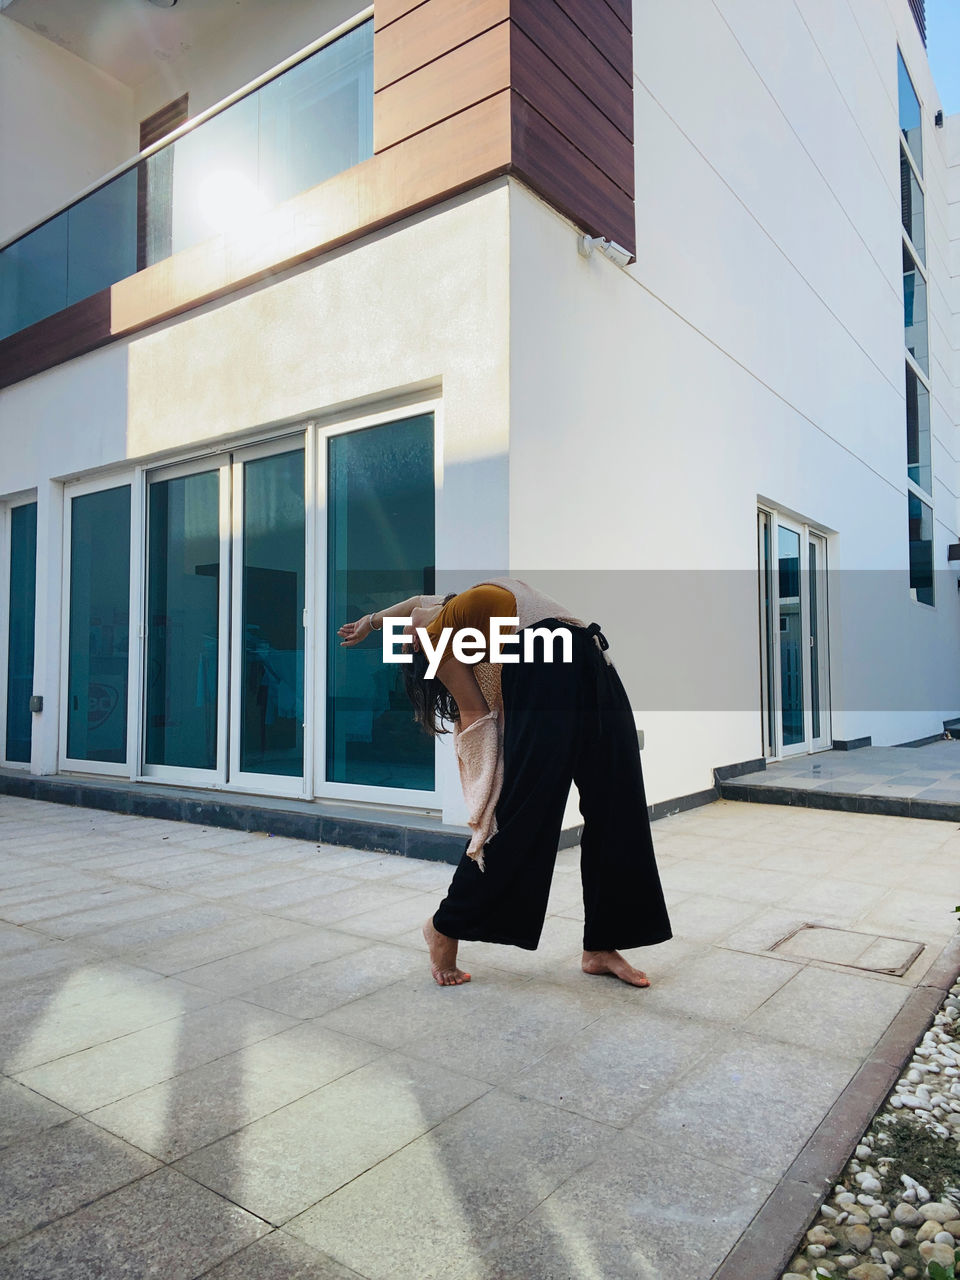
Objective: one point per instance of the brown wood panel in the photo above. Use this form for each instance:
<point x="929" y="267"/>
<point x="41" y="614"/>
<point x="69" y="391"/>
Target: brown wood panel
<point x="624" y="11"/>
<point x="163" y="121"/>
<point x="79" y="328"/>
<point x="565" y="45"/>
<point x="604" y="30"/>
<point x="428" y="32"/>
<point x="552" y="166"/>
<point x="462" y="77"/>
<point x="568" y="109"/>
<point x="387" y="11"/>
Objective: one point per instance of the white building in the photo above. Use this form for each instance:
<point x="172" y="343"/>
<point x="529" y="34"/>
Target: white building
<point x="334" y="335"/>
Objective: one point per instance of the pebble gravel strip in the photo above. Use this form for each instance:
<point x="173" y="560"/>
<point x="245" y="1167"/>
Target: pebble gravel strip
<point x="896" y="1208"/>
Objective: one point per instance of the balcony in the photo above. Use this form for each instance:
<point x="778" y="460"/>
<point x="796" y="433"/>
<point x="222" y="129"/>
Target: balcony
<point x="390" y="117"/>
<point x="310" y="121"/>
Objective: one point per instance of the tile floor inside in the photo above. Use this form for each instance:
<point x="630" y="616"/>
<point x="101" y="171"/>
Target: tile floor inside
<point x="222" y="1053"/>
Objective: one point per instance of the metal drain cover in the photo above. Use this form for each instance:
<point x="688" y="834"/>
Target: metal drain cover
<point x="855" y="950"/>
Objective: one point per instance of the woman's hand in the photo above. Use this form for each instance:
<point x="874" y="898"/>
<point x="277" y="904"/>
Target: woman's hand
<point x="352" y="633"/>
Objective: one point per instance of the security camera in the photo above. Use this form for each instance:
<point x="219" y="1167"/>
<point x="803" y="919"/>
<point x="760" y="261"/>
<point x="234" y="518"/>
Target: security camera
<point x="609" y="248"/>
<point x="616" y="253"/>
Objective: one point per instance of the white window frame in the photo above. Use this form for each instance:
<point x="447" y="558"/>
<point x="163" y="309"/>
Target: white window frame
<point x="6" y="547"/>
<point x="771" y="680"/>
<point x="209" y="778"/>
<point x="399" y="797"/>
<point x="265" y="783"/>
<point x="77" y="489"/>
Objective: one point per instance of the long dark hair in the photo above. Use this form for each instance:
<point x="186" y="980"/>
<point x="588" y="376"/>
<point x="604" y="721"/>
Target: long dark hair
<point x="433" y="703"/>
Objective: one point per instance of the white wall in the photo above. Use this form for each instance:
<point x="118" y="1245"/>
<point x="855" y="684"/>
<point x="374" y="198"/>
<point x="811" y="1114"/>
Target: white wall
<point x="63" y="125"/>
<point x="754" y="350"/>
<point x="422" y="305"/>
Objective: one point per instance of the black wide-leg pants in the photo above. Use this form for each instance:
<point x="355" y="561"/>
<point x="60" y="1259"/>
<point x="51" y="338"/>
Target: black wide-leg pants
<point x="564" y="722"/>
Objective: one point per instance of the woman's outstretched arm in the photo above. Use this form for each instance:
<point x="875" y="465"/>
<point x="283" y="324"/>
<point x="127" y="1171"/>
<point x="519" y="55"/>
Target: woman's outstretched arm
<point x="352" y="633"/>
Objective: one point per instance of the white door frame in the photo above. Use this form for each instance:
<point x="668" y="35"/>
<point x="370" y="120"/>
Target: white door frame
<point x="6" y="550"/>
<point x="240" y="780"/>
<point x="115" y="480"/>
<point x="214" y="778"/>
<point x="771" y="679"/>
<point x="394" y="796"/>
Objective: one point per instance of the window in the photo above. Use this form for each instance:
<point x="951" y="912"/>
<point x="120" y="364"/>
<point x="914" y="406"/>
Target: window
<point x="915" y="311"/>
<point x="920" y="524"/>
<point x="918" y="432"/>
<point x="380" y="549"/>
<point x="916" y="340"/>
<point x="20" y="630"/>
<point x="910" y="118"/>
<point x="911" y="204"/>
<point x="99" y="628"/>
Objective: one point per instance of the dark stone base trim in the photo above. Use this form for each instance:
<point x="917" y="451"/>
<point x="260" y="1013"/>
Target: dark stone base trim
<point x="664" y="808"/>
<point x="852" y="802"/>
<point x="724" y="771"/>
<point x="921" y="742"/>
<point x="852" y="744"/>
<point x="298" y="819"/>
<point x="771" y="1239"/>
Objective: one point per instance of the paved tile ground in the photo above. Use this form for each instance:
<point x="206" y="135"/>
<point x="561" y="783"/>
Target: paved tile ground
<point x="930" y="772"/>
<point x="222" y="1053"/>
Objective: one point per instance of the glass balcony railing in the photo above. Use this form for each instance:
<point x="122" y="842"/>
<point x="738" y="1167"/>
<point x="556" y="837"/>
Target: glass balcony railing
<point x="313" y="120"/>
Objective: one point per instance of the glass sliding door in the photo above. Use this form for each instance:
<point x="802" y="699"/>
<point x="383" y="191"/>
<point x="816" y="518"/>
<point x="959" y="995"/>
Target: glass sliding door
<point x="98" y="643"/>
<point x="269" y="602"/>
<point x="184" y="629"/>
<point x="20" y="631"/>
<point x="380" y="535"/>
<point x="791" y="637"/>
<point x="794" y="659"/>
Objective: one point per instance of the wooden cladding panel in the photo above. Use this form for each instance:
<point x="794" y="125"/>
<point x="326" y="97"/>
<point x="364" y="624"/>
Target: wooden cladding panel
<point x="79" y="328"/>
<point x="162" y="122"/>
<point x="428" y="32"/>
<point x="624" y="11"/>
<point x="570" y="111"/>
<point x="552" y="166"/>
<point x="462" y="77"/>
<point x="549" y="27"/>
<point x="605" y="31"/>
<point x="387" y="11"/>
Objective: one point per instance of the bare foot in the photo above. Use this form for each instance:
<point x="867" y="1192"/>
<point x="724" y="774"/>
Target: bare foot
<point x="443" y="958"/>
<point x="612" y="962"/>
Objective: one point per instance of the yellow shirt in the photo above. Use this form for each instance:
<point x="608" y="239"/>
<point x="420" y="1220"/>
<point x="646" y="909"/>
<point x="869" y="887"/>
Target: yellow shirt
<point x="473" y="608"/>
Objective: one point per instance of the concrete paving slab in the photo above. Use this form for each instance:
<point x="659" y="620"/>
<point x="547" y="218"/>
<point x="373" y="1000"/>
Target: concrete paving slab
<point x="24" y="1113"/>
<point x="323" y="987"/>
<point x="162" y="1225"/>
<point x="204" y="946"/>
<point x="609" y="1071"/>
<point x="825" y="1007"/>
<point x="741" y="1089"/>
<point x="129" y="1064"/>
<point x="281" y="1165"/>
<point x="235" y="974"/>
<point x="664" y="1214"/>
<point x="51" y="1174"/>
<point x="202" y="1104"/>
<point x="474" y="1175"/>
<point x="280" y="1256"/>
